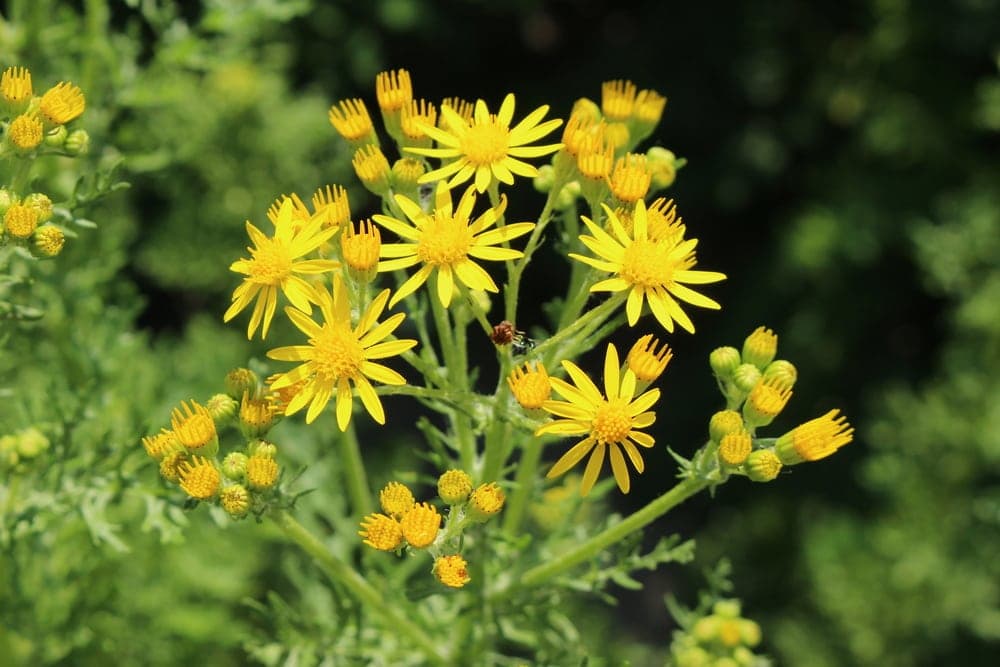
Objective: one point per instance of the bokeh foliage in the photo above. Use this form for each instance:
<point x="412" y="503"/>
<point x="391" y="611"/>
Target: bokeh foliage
<point x="841" y="169"/>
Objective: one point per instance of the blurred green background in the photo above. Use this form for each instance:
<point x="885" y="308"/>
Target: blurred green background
<point x="842" y="170"/>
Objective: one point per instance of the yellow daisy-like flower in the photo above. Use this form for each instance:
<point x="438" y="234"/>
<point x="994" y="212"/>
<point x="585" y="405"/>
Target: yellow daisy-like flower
<point x="396" y="499"/>
<point x="815" y="440"/>
<point x="273" y="265"/>
<point x="487" y="147"/>
<point x="199" y="478"/>
<point x="262" y="472"/>
<point x="648" y="269"/>
<point x="338" y="355"/>
<point x="62" y="103"/>
<point x="454" y="486"/>
<point x="608" y="420"/>
<point x="381" y="532"/>
<point x="445" y="242"/>
<point x="452" y="571"/>
<point x="25" y="131"/>
<point x="420" y="525"/>
<point x="15" y="85"/>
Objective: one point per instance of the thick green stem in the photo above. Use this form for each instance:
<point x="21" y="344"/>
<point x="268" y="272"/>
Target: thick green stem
<point x="593" y="546"/>
<point x="343" y="574"/>
<point x="354" y="472"/>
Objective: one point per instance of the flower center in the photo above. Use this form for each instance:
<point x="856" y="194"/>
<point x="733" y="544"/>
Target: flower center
<point x="485" y="143"/>
<point x="611" y="422"/>
<point x="444" y="240"/>
<point x="647" y="263"/>
<point x="272" y="262"/>
<point x="337" y="353"/>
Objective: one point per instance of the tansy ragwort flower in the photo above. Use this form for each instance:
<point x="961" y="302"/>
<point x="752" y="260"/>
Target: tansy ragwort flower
<point x="609" y="421"/>
<point x="647" y="268"/>
<point x="338" y="355"/>
<point x="273" y="265"/>
<point x="445" y="241"/>
<point x="486" y="147"/>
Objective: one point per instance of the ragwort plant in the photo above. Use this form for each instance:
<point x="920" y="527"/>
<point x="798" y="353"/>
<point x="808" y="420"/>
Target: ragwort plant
<point x="475" y="569"/>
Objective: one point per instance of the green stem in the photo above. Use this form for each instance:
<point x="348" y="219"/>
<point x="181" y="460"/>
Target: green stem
<point x="354" y="472"/>
<point x="516" y="269"/>
<point x="592" y="318"/>
<point x="343" y="574"/>
<point x="654" y="510"/>
<point x="454" y="360"/>
<point x="524" y="485"/>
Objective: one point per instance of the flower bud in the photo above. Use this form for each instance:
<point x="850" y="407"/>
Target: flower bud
<point x="77" y="143"/>
<point x="235" y="500"/>
<point x="765" y="402"/>
<point x="762" y="465"/>
<point x="6" y="199"/>
<point x="760" y="347"/>
<point x="782" y="373"/>
<point x="241" y="381"/>
<point x="746" y="377"/>
<point x="31" y="442"/>
<point x="420" y="525"/>
<point x="486" y="501"/>
<point x="735" y="448"/>
<point x="545" y="178"/>
<point x="381" y="532"/>
<point x="223" y="408"/>
<point x="724" y="361"/>
<point x="723" y="423"/>
<point x="262" y="471"/>
<point x="816" y="439"/>
<point x="234" y="466"/>
<point x="48" y="240"/>
<point x="42" y="205"/>
<point x="396" y="499"/>
<point x="262" y="447"/>
<point x="454" y="486"/>
<point x="452" y="571"/>
<point x="662" y="165"/>
<point x="56" y="137"/>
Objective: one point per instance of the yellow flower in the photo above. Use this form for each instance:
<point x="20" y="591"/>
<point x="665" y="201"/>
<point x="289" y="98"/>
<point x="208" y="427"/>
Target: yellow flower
<point x="331" y="204"/>
<point x="20" y="220"/>
<point x="760" y="347"/>
<point x="630" y="178"/>
<point x="351" y="120"/>
<point x="161" y="444"/>
<point x="662" y="222"/>
<point x="454" y="486"/>
<point x="381" y="532"/>
<point x="452" y="571"/>
<point x="487" y="147"/>
<point x="235" y="500"/>
<point x="361" y="249"/>
<point x="170" y="465"/>
<point x="654" y="270"/>
<point x="530" y="386"/>
<point x="15" y="85"/>
<point x="444" y="242"/>
<point x="25" y="131"/>
<point x="735" y="448"/>
<point x="763" y="465"/>
<point x="420" y="525"/>
<point x="273" y="264"/>
<point x="618" y="99"/>
<point x="372" y="168"/>
<point x="194" y="428"/>
<point x="814" y="440"/>
<point x="261" y="472"/>
<point x="414" y="115"/>
<point x="393" y="90"/>
<point x="199" y="478"/>
<point x="645" y="361"/>
<point x="608" y="420"/>
<point x="766" y="400"/>
<point x="486" y="501"/>
<point x="257" y="416"/>
<point x="396" y="499"/>
<point x="337" y="355"/>
<point x="62" y="103"/>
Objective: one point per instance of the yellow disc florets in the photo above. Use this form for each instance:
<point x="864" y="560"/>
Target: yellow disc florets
<point x="62" y="103"/>
<point x="161" y="444"/>
<point x="452" y="571"/>
<point x="420" y="525"/>
<point x="381" y="532"/>
<point x="270" y="263"/>
<point x="406" y="173"/>
<point x="235" y="500"/>
<point x="816" y="439"/>
<point x="486" y="501"/>
<point x="25" y="131"/>
<point x="649" y="263"/>
<point x="723" y="423"/>
<point x="645" y="361"/>
<point x="618" y="99"/>
<point x="333" y="205"/>
<point x="372" y="168"/>
<point x="612" y="421"/>
<point x="15" y="85"/>
<point x="485" y="142"/>
<point x="415" y="114"/>
<point x="49" y="240"/>
<point x="763" y="465"/>
<point x="766" y="400"/>
<point x="361" y="249"/>
<point x="396" y="499"/>
<point x="454" y="486"/>
<point x="20" y="220"/>
<point x="444" y="240"/>
<point x="662" y="222"/>
<point x="195" y="428"/>
<point x="461" y="107"/>
<point x="257" y="416"/>
<point x="262" y="471"/>
<point x="351" y="120"/>
<point x="760" y="347"/>
<point x="735" y="448"/>
<point x="648" y="106"/>
<point x="630" y="178"/>
<point x="171" y="463"/>
<point x="530" y="385"/>
<point x="393" y="89"/>
<point x="338" y="354"/>
<point x="199" y="478"/>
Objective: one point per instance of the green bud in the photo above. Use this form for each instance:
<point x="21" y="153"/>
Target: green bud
<point x="240" y="381"/>
<point x="545" y="178"/>
<point x="749" y="632"/>
<point x="762" y="465"/>
<point x="782" y="373"/>
<point x="706" y="629"/>
<point x="745" y="377"/>
<point x="760" y="347"/>
<point x="31" y="442"/>
<point x="568" y="195"/>
<point x="235" y="500"/>
<point x="727" y="608"/>
<point x="234" y="466"/>
<point x="661" y="164"/>
<point x="56" y="137"/>
<point x="744" y="657"/>
<point x="694" y="656"/>
<point x="724" y="361"/>
<point x="262" y="448"/>
<point x="77" y="143"/>
<point x="223" y="409"/>
<point x="723" y="423"/>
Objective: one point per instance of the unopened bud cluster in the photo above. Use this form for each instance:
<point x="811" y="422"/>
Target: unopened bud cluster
<point x="18" y="450"/>
<point x="405" y="523"/>
<point x="721" y="637"/>
<point x="242" y="480"/>
<point x="757" y="387"/>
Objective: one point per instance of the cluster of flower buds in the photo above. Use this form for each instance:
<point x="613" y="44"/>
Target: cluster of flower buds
<point x="597" y="160"/>
<point x="720" y="639"/>
<point x="18" y="449"/>
<point x="243" y="480"/>
<point x="406" y="524"/>
<point x="757" y="387"/>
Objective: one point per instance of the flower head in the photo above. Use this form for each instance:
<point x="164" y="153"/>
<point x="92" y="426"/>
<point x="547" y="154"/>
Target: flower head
<point x="338" y="355"/>
<point x="15" y="85"/>
<point x="530" y="386"/>
<point x="381" y="532"/>
<point x="351" y="120"/>
<point x="414" y="116"/>
<point x="330" y="203"/>
<point x="396" y="499"/>
<point x="20" y="220"/>
<point x="25" y="131"/>
<point x="609" y="421"/>
<point x="487" y="147"/>
<point x="420" y="525"/>
<point x="393" y="90"/>
<point x="262" y="471"/>
<point x="452" y="571"/>
<point x="766" y="400"/>
<point x="735" y="448"/>
<point x="815" y="440"/>
<point x="445" y="242"/>
<point x="372" y="167"/>
<point x="274" y="264"/>
<point x="646" y="361"/>
<point x="361" y="249"/>
<point x="161" y="444"/>
<point x="199" y="478"/>
<point x="630" y="178"/>
<point x="649" y="269"/>
<point x="62" y="103"/>
<point x="618" y="99"/>
<point x="194" y="428"/>
<point x="235" y="500"/>
<point x="454" y="486"/>
<point x="486" y="501"/>
<point x="760" y="347"/>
